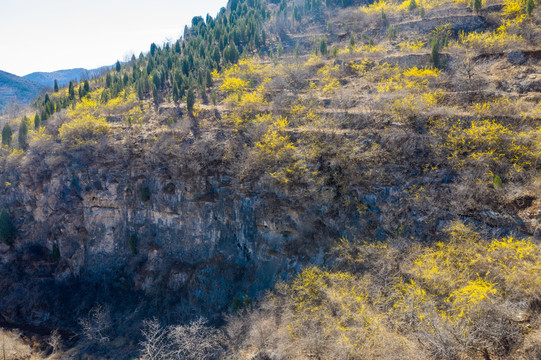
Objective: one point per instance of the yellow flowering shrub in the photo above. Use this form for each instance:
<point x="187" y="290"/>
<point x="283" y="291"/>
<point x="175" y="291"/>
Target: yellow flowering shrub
<point x="497" y="40"/>
<point x="488" y="142"/>
<point x="83" y="130"/>
<point x="233" y="85"/>
<point x="411" y="46"/>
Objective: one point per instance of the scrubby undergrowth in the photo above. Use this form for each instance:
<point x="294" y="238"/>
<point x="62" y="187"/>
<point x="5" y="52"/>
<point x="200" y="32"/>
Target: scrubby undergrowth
<point x="395" y="119"/>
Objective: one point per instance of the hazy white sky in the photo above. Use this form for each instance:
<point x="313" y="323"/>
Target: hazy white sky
<point x="49" y="35"/>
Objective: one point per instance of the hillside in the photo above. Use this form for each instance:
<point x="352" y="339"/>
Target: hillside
<point x="63" y="77"/>
<point x="290" y="180"/>
<point x="15" y="89"/>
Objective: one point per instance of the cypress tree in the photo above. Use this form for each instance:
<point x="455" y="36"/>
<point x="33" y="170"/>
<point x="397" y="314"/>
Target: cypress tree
<point x="155" y="95"/>
<point x="383" y="18"/>
<point x="37" y="121"/>
<point x="7" y="134"/>
<point x="175" y="93"/>
<point x="435" y="55"/>
<point x="43" y="117"/>
<point x="55" y="85"/>
<point x="71" y="91"/>
<point x="7" y="229"/>
<point x="55" y="253"/>
<point x="190" y="100"/>
<point x="23" y="132"/>
<point x="530" y="5"/>
<point x="209" y="78"/>
<point x="323" y="46"/>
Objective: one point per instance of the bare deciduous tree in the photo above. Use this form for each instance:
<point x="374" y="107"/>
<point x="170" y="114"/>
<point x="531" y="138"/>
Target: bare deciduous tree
<point x="155" y="345"/>
<point x="195" y="341"/>
<point x="94" y="327"/>
<point x="55" y="341"/>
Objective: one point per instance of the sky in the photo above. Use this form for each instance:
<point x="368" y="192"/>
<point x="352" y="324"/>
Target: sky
<point x="41" y="35"/>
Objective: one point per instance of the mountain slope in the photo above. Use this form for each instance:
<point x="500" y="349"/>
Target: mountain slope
<point x="17" y="89"/>
<point x="63" y="77"/>
<point x="376" y="167"/>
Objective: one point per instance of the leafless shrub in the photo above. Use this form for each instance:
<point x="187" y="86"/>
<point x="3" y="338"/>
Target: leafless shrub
<point x="464" y="64"/>
<point x="195" y="341"/>
<point x="155" y="345"/>
<point x="235" y="330"/>
<point x="55" y="341"/>
<point x="96" y="324"/>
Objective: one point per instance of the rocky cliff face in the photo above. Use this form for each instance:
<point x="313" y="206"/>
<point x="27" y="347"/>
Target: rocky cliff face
<point x="130" y="228"/>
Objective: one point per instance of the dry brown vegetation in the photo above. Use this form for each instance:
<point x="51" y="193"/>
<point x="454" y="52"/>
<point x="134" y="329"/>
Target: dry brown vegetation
<point x="464" y="297"/>
<point x="375" y="116"/>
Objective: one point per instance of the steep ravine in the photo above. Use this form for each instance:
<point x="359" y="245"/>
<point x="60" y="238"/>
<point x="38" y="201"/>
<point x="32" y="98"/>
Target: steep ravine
<point x="145" y="239"/>
<point x="126" y="232"/>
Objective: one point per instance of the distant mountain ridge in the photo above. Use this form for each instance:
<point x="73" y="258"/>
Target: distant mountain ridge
<point x="64" y="76"/>
<point x="15" y="89"/>
<point x="22" y="90"/>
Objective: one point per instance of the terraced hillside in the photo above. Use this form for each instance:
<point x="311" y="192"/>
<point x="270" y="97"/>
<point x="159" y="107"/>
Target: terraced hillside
<point x="331" y="181"/>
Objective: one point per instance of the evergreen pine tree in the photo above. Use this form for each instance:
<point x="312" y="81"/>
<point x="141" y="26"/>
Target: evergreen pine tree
<point x="190" y="100"/>
<point x="71" y="91"/>
<point x="117" y="66"/>
<point x="155" y="95"/>
<point x="37" y="121"/>
<point x="209" y="78"/>
<point x="435" y="55"/>
<point x="296" y="52"/>
<point x="477" y="4"/>
<point x="23" y="132"/>
<point x="55" y="85"/>
<point x="384" y="21"/>
<point x="175" y="93"/>
<point x="55" y="253"/>
<point x="530" y="5"/>
<point x="351" y="42"/>
<point x="86" y="86"/>
<point x="7" y="134"/>
<point x="323" y="46"/>
<point x="7" y="229"/>
<point x="412" y="5"/>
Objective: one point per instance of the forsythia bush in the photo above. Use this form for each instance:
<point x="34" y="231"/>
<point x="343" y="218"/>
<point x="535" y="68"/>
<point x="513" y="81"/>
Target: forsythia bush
<point x="83" y="130"/>
<point x="453" y="299"/>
